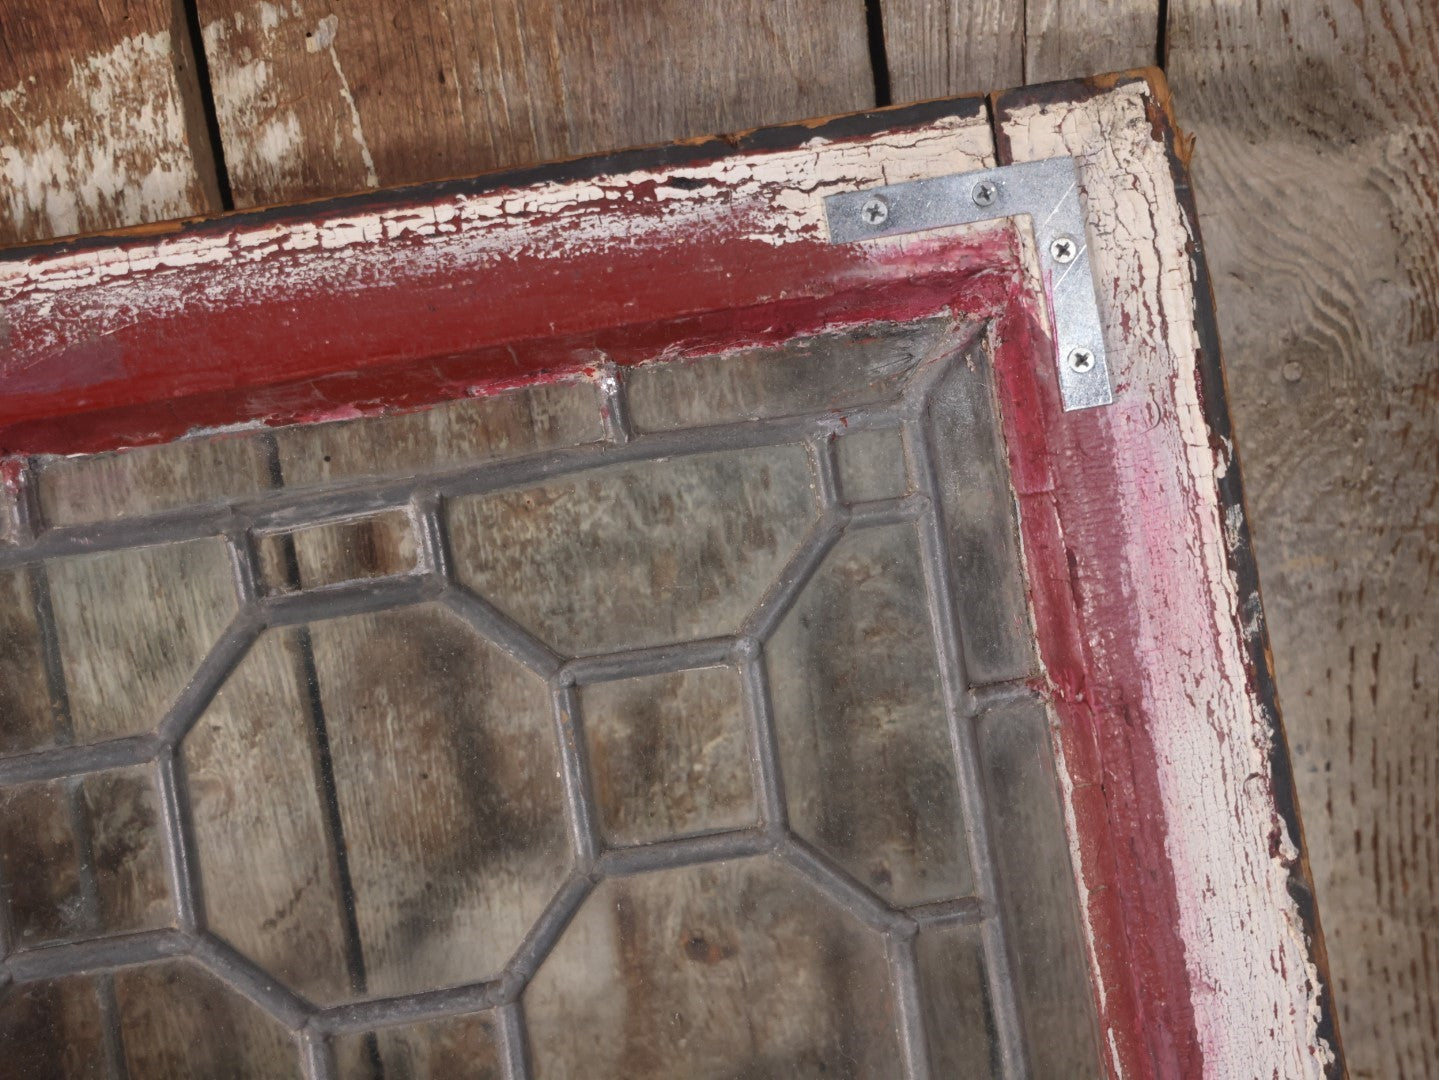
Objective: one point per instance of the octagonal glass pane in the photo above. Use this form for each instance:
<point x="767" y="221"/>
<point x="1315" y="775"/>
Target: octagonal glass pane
<point x="710" y="972"/>
<point x="377" y="804"/>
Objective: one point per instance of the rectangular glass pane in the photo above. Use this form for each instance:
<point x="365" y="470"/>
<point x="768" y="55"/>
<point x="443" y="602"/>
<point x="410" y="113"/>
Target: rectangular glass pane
<point x="1032" y="853"/>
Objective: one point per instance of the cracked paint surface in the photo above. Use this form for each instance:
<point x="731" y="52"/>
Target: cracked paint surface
<point x="1254" y="984"/>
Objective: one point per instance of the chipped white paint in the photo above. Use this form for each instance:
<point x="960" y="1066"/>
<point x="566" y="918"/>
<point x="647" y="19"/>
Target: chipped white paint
<point x="778" y="196"/>
<point x="1254" y="986"/>
<point x="103" y="149"/>
<point x="247" y="95"/>
<point x="255" y="67"/>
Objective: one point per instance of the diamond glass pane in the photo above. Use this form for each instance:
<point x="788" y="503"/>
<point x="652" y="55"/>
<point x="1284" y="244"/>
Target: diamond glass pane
<point x="672" y="722"/>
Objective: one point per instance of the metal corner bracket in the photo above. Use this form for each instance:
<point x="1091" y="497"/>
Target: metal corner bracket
<point x="1048" y="193"/>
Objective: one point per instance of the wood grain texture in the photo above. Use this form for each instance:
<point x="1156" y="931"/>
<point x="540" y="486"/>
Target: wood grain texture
<point x="512" y="423"/>
<point x="457" y="1047"/>
<point x="133" y="625"/>
<point x="860" y="724"/>
<point x="1317" y="134"/>
<point x="267" y="868"/>
<point x="188" y="365"/>
<point x="447" y="777"/>
<point x="82" y="857"/>
<point x="28" y="718"/>
<point x="316" y="97"/>
<point x="843" y="369"/>
<point x="940" y="47"/>
<point x="937" y="48"/>
<point x="637" y="555"/>
<point x="178" y="1022"/>
<point x="369" y="547"/>
<point x="126" y="483"/>
<point x="668" y="755"/>
<point x="53" y="1029"/>
<point x="99" y="118"/>
<point x="1073" y="39"/>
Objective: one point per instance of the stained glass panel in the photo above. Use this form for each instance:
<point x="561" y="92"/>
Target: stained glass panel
<point x="669" y="722"/>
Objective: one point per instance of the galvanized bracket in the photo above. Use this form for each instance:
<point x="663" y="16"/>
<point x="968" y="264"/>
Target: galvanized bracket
<point x="1045" y="191"/>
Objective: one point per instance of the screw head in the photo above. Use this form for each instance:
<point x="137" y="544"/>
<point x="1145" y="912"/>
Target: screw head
<point x="1081" y="360"/>
<point x="875" y="211"/>
<point x="985" y="192"/>
<point x="1063" y="249"/>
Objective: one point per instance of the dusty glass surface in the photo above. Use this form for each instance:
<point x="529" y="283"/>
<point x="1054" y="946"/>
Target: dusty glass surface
<point x="958" y="1012"/>
<point x="667" y="725"/>
<point x="131" y="627"/>
<point x="26" y="708"/>
<point x="675" y="973"/>
<point x="53" y="1028"/>
<point x="670" y="754"/>
<point x="864" y="740"/>
<point x="451" y="1048"/>
<point x="377" y="545"/>
<point x="635" y="555"/>
<point x="51" y="831"/>
<point x="180" y="1022"/>
<point x="871" y="465"/>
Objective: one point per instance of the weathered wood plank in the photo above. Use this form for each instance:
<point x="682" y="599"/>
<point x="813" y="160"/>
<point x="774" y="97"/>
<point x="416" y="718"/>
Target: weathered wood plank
<point x="133" y="625"/>
<point x="267" y="866"/>
<point x="668" y="755"/>
<point x="178" y="1021"/>
<point x="1072" y="39"/>
<point x="81" y="858"/>
<point x="447" y="781"/>
<point x="637" y="555"/>
<point x="53" y="1029"/>
<point x="731" y="969"/>
<point x="128" y="483"/>
<point x="100" y="123"/>
<point x="1317" y="129"/>
<point x="312" y="102"/>
<point x="28" y="719"/>
<point x="940" y="47"/>
<point x="859" y="718"/>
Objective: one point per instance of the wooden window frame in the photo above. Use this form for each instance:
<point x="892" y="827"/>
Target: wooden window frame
<point x="1206" y="953"/>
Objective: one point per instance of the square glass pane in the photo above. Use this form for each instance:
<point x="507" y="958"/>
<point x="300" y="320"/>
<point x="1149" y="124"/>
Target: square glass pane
<point x="82" y="858"/>
<point x="670" y="754"/>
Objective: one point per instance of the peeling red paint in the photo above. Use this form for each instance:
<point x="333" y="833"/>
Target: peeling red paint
<point x="220" y="353"/>
<point x="1062" y="467"/>
<point x="330" y="349"/>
